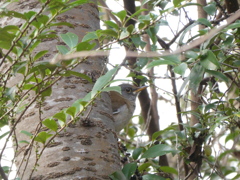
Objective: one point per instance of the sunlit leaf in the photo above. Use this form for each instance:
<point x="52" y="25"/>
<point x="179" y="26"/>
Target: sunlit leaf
<point x="168" y="169"/>
<point x="42" y="137"/>
<point x="71" y="111"/>
<point x="177" y="2"/>
<point x="51" y="124"/>
<point x="103" y="81"/>
<point x="62" y="116"/>
<point x="70" y="39"/>
<point x="121" y="15"/>
<point x="90" y="36"/>
<point x="85" y="46"/>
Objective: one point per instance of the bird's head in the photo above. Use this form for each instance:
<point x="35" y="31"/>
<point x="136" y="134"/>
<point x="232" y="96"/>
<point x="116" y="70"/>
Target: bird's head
<point x="130" y="92"/>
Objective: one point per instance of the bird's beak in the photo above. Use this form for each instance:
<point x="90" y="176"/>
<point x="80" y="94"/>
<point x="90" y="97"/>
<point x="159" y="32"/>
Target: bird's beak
<point x="139" y="89"/>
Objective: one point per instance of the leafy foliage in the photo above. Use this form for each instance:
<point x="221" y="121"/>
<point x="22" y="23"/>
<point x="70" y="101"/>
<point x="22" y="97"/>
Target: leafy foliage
<point x="202" y="70"/>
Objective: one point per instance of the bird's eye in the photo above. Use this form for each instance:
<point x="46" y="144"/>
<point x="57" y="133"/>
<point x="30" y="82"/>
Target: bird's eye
<point x="128" y="90"/>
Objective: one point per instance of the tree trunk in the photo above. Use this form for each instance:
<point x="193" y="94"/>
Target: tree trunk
<point x="86" y="149"/>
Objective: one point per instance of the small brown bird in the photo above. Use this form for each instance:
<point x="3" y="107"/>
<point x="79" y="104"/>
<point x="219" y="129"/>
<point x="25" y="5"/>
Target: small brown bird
<point x="123" y="105"/>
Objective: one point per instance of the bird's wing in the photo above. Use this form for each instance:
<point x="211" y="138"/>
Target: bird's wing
<point x="117" y="100"/>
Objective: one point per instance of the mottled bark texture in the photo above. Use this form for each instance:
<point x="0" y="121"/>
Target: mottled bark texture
<point x="84" y="150"/>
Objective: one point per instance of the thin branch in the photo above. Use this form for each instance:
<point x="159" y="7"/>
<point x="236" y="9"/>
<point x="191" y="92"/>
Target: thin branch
<point x="178" y="106"/>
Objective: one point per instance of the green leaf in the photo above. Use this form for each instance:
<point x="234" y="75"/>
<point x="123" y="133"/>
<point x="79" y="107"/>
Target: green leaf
<point x="13" y="14"/>
<point x="177" y="3"/>
<point x="129" y="169"/>
<point x="210" y="9"/>
<point x="195" y="77"/>
<point x="191" y="54"/>
<point x="23" y="141"/>
<point x="77" y="74"/>
<point x="11" y="92"/>
<point x="42" y="137"/>
<point x="103" y="81"/>
<point x="158" y="150"/>
<point x="71" y="111"/>
<point x="209" y="107"/>
<point x="112" y="24"/>
<point x="62" y="49"/>
<point x="121" y="15"/>
<point x="62" y="24"/>
<point x="181" y="69"/>
<point x="138" y="41"/>
<point x="51" y="124"/>
<point x="205" y="22"/>
<point x="71" y="4"/>
<point x="70" y="39"/>
<point x="46" y="92"/>
<point x="165" y="60"/>
<point x="124" y="34"/>
<point x="232" y="26"/>
<point x="152" y="31"/>
<point x="218" y="75"/>
<point x="6" y="169"/>
<point x="109" y="32"/>
<point x="113" y="88"/>
<point x="39" y="55"/>
<point x="118" y="175"/>
<point x="153" y="177"/>
<point x="42" y="19"/>
<point x="135" y="14"/>
<point x="237" y="114"/>
<point x="144" y="166"/>
<point x="4" y="134"/>
<point x="231" y="136"/>
<point x="90" y="36"/>
<point x="209" y="60"/>
<point x="85" y="46"/>
<point x="136" y="153"/>
<point x="81" y="103"/>
<point x="168" y="169"/>
<point x="26" y="133"/>
<point x="30" y="14"/>
<point x="62" y="116"/>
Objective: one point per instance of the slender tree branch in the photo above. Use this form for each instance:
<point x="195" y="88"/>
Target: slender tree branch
<point x="177" y="102"/>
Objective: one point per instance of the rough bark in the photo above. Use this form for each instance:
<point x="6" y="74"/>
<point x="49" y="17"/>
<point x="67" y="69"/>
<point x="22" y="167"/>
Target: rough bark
<point x="86" y="149"/>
